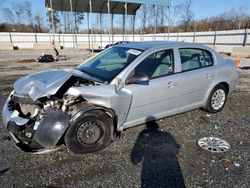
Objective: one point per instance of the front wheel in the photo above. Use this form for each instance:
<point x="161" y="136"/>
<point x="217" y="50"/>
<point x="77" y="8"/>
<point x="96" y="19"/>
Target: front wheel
<point x="89" y="133"/>
<point x="217" y="99"/>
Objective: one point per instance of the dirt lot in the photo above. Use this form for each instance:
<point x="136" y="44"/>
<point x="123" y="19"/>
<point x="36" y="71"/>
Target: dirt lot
<point x="167" y="157"/>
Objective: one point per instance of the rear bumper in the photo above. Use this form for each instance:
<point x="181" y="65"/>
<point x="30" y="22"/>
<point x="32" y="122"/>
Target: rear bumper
<point x="233" y="82"/>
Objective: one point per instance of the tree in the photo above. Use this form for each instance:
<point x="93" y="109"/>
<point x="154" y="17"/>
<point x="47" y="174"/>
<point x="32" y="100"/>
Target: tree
<point x="69" y="23"/>
<point x="17" y="7"/>
<point x="79" y="17"/>
<point x="28" y="13"/>
<point x="3" y="28"/>
<point x="143" y="15"/>
<point x="173" y="15"/>
<point x="187" y="15"/>
<point x="38" y="23"/>
<point x="9" y="16"/>
<point x="160" y="16"/>
<point x="151" y="18"/>
<point x="65" y="21"/>
<point x="53" y="19"/>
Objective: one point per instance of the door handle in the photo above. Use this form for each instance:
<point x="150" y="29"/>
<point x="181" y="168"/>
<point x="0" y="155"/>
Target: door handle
<point x="171" y="84"/>
<point x="209" y="75"/>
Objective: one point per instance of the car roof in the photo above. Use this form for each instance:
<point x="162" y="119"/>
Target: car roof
<point x="154" y="44"/>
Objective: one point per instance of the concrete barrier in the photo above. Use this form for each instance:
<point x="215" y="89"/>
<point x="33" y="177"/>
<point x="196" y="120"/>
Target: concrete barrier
<point x="84" y="46"/>
<point x="241" y="52"/>
<point x="6" y="46"/>
<point x="45" y="46"/>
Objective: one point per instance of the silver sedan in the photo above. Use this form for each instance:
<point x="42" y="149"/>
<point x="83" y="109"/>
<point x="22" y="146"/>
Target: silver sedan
<point x="124" y="86"/>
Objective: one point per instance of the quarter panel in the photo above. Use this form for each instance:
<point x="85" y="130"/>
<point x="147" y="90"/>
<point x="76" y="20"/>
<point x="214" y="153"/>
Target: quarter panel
<point x="226" y="73"/>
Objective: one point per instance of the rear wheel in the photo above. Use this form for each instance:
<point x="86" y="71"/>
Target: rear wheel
<point x="217" y="99"/>
<point x="89" y="133"/>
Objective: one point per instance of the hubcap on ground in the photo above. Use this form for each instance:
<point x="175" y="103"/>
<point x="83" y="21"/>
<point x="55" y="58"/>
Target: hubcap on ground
<point x="89" y="133"/>
<point x="218" y="99"/>
<point x="213" y="144"/>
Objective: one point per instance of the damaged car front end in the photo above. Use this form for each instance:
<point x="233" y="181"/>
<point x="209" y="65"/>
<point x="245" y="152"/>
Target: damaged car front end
<point x="38" y="112"/>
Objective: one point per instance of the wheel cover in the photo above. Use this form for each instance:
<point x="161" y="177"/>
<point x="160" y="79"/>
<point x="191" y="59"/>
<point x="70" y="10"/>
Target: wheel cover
<point x="218" y="99"/>
<point x="213" y="144"/>
<point x="90" y="133"/>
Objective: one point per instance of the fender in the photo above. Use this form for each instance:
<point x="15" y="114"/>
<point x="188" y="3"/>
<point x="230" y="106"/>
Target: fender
<point x="109" y="112"/>
<point x="91" y="107"/>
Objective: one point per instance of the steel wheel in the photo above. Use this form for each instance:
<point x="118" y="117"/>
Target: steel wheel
<point x="89" y="133"/>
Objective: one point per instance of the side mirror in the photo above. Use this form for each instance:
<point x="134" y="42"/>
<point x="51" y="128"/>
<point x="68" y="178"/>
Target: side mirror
<point x="138" y="78"/>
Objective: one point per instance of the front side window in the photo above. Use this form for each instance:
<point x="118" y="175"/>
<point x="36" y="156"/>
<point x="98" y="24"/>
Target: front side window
<point x="109" y="63"/>
<point x="158" y="64"/>
<point x="192" y="58"/>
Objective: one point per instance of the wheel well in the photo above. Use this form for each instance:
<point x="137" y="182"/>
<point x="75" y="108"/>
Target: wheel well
<point x="111" y="114"/>
<point x="226" y="85"/>
<point x="108" y="111"/>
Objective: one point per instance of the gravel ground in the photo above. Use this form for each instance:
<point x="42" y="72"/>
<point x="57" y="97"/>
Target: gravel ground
<point x="141" y="156"/>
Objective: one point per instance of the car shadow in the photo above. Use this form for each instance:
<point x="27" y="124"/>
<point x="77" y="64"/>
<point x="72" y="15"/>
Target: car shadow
<point x="157" y="150"/>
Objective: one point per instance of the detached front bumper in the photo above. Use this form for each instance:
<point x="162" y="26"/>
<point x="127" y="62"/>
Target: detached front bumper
<point x="34" y="136"/>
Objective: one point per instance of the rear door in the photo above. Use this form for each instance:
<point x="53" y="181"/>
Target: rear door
<point x="197" y="74"/>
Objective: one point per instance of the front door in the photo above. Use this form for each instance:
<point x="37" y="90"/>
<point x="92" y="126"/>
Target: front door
<point x="158" y="97"/>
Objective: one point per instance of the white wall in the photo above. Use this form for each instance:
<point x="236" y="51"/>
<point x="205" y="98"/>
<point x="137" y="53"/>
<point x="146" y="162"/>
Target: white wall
<point x="225" y="40"/>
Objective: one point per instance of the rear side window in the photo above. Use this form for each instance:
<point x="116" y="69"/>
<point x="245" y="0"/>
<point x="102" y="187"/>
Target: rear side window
<point x="192" y="58"/>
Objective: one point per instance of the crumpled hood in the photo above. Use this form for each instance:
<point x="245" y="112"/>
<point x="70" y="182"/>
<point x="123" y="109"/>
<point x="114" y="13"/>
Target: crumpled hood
<point x="45" y="83"/>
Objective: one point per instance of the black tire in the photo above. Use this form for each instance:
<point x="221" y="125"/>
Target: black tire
<point x="90" y="132"/>
<point x="209" y="106"/>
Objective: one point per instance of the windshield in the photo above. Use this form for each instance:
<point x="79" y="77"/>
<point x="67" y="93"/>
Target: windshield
<point x="108" y="64"/>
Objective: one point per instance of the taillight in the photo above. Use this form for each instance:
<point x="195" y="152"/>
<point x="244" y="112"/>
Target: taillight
<point x="237" y="63"/>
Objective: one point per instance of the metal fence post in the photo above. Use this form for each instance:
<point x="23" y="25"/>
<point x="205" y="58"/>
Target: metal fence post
<point x="108" y="4"/>
<point x="155" y="15"/>
<point x="63" y="41"/>
<point x="100" y="20"/>
<point x="245" y="37"/>
<point x="92" y="42"/>
<point x="10" y="38"/>
<point x="168" y="21"/>
<point x="215" y="37"/>
<point x="35" y="38"/>
<point x="59" y="38"/>
<point x="194" y="35"/>
<point x="76" y="35"/>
